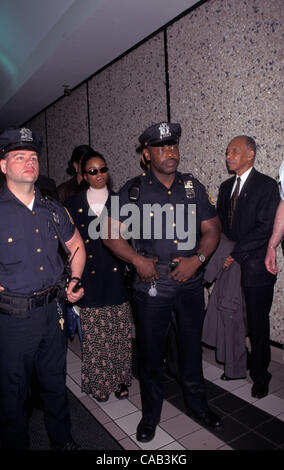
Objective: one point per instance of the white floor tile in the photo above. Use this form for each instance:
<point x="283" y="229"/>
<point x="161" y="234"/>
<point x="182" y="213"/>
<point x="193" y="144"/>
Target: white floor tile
<point x="205" y="364"/>
<point x="76" y="376"/>
<point x="74" y="387"/>
<point x="201" y="440"/>
<point x="127" y="414"/>
<point x="112" y="399"/>
<point x="271" y="404"/>
<point x="73" y="366"/>
<point x="128" y="444"/>
<point x="134" y="388"/>
<point x="88" y="402"/>
<point x="100" y="416"/>
<point x="161" y="439"/>
<point x="244" y="392"/>
<point x="136" y="400"/>
<point x="129" y="423"/>
<point x="180" y="426"/>
<point x="169" y="411"/>
<point x="173" y="446"/>
<point x="115" y="431"/>
<point x="230" y="385"/>
<point x="225" y="447"/>
<point x="119" y="408"/>
<point x="71" y="357"/>
<point x="209" y="355"/>
<point x="276" y="384"/>
<point x="212" y="372"/>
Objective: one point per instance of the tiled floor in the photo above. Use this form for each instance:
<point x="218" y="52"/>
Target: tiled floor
<point x="248" y="423"/>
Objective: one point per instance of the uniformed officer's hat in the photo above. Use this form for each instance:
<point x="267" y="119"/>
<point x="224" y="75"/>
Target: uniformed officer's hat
<point x="15" y="139"/>
<point x="158" y="135"/>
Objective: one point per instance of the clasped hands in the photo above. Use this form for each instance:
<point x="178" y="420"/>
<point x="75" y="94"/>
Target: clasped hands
<point x="186" y="268"/>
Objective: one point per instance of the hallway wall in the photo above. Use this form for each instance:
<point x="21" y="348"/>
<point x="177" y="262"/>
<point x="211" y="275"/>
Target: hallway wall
<point x="218" y="70"/>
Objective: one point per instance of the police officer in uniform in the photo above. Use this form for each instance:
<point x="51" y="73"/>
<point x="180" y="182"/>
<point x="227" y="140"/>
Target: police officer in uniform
<point x="32" y="330"/>
<point x="169" y="274"/>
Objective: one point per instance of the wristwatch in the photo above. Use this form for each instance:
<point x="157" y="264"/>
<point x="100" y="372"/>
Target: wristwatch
<point x="201" y="257"/>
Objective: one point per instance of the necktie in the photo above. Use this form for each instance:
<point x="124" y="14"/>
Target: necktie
<point x="233" y="201"/>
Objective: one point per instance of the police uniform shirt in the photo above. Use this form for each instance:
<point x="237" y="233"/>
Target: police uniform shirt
<point x="29" y="247"/>
<point x="185" y="191"/>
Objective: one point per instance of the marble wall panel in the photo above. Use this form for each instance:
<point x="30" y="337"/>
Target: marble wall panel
<point x="124" y="99"/>
<point x="226" y="79"/>
<point x="67" y="127"/>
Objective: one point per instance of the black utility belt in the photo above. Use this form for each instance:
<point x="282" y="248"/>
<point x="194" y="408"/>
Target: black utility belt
<point x="19" y="305"/>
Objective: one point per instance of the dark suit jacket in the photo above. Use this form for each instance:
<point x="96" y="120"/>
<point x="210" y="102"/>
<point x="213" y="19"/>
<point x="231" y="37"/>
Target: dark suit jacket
<point x="103" y="277"/>
<point x="252" y="224"/>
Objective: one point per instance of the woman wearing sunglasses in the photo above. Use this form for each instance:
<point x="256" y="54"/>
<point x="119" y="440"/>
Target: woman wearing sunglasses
<point x="105" y="310"/>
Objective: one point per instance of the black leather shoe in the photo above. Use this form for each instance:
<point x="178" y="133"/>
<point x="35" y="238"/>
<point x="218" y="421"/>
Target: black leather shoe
<point x="145" y="431"/>
<point x="225" y="377"/>
<point x="207" y="418"/>
<point x="260" y="390"/>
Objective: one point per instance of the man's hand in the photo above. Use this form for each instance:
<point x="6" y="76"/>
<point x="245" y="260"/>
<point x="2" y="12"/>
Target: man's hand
<point x="145" y="268"/>
<point x="270" y="260"/>
<point x="73" y="297"/>
<point x="228" y="261"/>
<point x="1" y="288"/>
<point x="185" y="269"/>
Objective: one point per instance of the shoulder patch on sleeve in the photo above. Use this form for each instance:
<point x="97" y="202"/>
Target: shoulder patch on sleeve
<point x="210" y="198"/>
<point x="70" y="218"/>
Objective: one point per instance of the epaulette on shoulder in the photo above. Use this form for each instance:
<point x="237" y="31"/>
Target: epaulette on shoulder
<point x="187" y="175"/>
<point x="46" y="198"/>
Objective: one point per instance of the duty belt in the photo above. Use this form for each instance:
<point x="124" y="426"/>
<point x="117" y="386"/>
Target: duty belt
<point x="164" y="269"/>
<point x="19" y="305"/>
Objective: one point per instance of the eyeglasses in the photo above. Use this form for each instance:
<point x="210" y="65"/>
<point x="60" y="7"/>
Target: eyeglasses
<point x="94" y="171"/>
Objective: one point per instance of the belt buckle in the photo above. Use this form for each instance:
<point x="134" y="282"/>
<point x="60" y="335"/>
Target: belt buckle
<point x="41" y="292"/>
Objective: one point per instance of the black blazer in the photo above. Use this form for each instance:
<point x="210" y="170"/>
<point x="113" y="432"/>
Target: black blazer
<point x="104" y="274"/>
<point x="252" y="224"/>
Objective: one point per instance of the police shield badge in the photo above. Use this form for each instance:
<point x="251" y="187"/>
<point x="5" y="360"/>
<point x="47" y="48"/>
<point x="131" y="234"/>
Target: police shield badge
<point x="189" y="189"/>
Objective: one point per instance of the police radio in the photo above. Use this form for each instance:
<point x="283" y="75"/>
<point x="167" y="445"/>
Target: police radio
<point x="134" y="190"/>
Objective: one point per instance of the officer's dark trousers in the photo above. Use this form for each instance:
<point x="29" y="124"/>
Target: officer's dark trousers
<point x="152" y="320"/>
<point x="258" y="304"/>
<point x="39" y="342"/>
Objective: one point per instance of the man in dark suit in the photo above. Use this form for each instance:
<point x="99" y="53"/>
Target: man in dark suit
<point x="248" y="220"/>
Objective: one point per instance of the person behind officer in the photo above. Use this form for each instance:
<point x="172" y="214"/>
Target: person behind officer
<point x="32" y="332"/>
<point x="168" y="279"/>
<point x="74" y="185"/>
<point x="246" y="205"/>
<point x="278" y="229"/>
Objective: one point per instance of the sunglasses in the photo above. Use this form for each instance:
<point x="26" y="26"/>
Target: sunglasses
<point x="94" y="171"/>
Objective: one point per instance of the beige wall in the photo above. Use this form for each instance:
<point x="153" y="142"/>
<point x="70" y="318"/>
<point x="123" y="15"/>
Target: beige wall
<point x="225" y="79"/>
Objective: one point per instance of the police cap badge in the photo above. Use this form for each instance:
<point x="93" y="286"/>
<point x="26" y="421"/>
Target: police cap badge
<point x="160" y="134"/>
<point x="15" y="139"/>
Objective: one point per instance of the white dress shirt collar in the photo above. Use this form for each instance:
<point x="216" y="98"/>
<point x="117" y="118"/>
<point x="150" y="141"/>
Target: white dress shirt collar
<point x="243" y="177"/>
